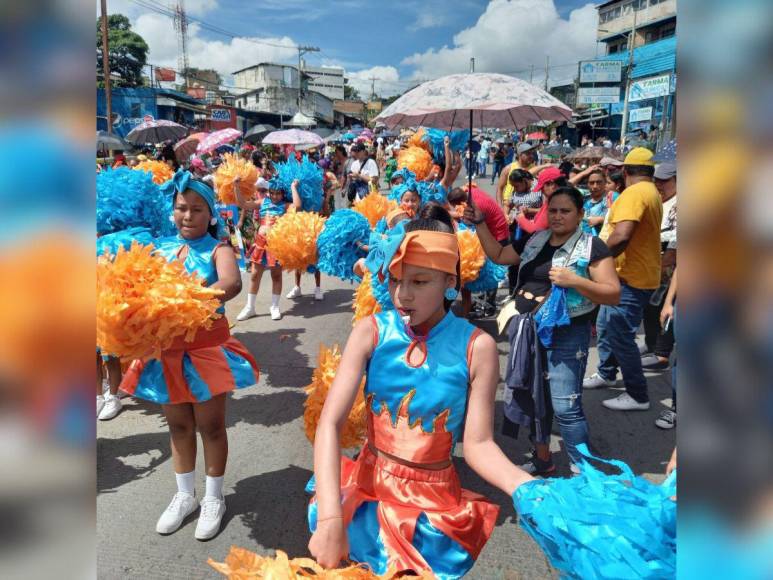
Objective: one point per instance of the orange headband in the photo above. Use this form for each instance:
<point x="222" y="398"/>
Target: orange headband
<point x="433" y="250"/>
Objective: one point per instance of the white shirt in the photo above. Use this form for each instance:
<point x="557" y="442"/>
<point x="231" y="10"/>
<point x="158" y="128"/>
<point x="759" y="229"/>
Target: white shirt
<point x="370" y="169"/>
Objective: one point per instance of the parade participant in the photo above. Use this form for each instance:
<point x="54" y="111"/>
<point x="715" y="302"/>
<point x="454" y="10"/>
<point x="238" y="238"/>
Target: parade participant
<point x="562" y="256"/>
<point x="429" y="375"/>
<point x="267" y="210"/>
<point x="191" y="379"/>
<point x="108" y="404"/>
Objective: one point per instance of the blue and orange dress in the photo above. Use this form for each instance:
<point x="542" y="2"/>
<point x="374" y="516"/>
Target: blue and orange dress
<point x="267" y="215"/>
<point x="212" y="364"/>
<point x="405" y="517"/>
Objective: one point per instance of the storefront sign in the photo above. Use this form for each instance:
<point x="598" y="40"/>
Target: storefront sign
<point x="637" y="115"/>
<point x="223" y="115"/>
<point x="598" y="95"/>
<point x="600" y="71"/>
<point x="651" y="88"/>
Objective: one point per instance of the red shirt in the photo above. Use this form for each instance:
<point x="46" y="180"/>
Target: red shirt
<point x="492" y="214"/>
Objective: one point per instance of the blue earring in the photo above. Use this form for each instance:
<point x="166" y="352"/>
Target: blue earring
<point x="451" y="293"/>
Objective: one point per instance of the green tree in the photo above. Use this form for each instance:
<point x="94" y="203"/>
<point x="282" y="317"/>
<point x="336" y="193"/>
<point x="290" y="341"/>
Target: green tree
<point x="128" y="52"/>
<point x="350" y="93"/>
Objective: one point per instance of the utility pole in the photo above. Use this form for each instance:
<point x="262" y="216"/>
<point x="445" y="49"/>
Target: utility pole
<point x="301" y="51"/>
<point x="531" y="75"/>
<point x="472" y="64"/>
<point x="106" y="68"/>
<point x="631" y="43"/>
<point x="547" y="71"/>
<point x="373" y="87"/>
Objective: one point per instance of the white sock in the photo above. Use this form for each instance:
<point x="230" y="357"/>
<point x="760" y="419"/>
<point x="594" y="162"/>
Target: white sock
<point x="318" y="289"/>
<point x="251" y="301"/>
<point x="275" y="300"/>
<point x="214" y="487"/>
<point x="186" y="482"/>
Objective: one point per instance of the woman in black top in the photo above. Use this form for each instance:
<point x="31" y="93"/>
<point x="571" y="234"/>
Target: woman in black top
<point x="566" y="357"/>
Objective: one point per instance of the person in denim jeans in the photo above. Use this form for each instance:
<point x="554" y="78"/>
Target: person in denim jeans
<point x="561" y="256"/>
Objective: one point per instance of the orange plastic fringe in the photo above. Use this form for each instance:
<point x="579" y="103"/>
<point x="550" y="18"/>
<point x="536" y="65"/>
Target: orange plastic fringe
<point x="354" y="430"/>
<point x="472" y="255"/>
<point x="144" y="303"/>
<point x="292" y="239"/>
<point x="241" y="564"/>
<point x="160" y="170"/>
<point x="232" y="167"/>
<point x="374" y="207"/>
<point x="364" y="303"/>
<point x="416" y="141"/>
<point x="416" y="159"/>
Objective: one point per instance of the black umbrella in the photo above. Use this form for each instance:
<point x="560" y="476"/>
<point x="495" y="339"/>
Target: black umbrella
<point x="256" y="133"/>
<point x="107" y="140"/>
<point x="157" y="131"/>
<point x="557" y="150"/>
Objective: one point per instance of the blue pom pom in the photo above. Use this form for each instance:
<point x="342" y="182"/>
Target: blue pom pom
<point x="490" y="276"/>
<point x="381" y="293"/>
<point x="310" y="177"/>
<point x="435" y="137"/>
<point x="405" y="173"/>
<point x="109" y="244"/>
<point x="429" y="191"/>
<point x="336" y="244"/>
<point x="128" y="198"/>
<point x="602" y="526"/>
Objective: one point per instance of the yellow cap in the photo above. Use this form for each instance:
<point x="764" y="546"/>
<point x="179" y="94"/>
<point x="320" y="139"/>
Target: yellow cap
<point x="639" y="156"/>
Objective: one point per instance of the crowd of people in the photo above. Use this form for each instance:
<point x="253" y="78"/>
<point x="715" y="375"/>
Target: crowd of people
<point x="589" y="252"/>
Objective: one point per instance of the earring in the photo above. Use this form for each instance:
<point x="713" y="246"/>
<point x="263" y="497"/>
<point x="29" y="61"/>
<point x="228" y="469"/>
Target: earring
<point x="213" y="221"/>
<point x="451" y="293"/>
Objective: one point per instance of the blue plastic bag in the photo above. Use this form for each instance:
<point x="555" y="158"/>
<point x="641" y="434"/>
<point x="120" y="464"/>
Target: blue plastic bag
<point x="553" y="313"/>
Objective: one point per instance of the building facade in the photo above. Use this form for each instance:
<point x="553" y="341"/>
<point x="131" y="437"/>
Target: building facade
<point x="328" y="81"/>
<point x="655" y="20"/>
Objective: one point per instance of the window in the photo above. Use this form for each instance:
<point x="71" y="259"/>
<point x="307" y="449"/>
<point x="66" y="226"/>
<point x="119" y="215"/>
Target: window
<point x="668" y="31"/>
<point x="651" y="36"/>
<point x="614" y="48"/>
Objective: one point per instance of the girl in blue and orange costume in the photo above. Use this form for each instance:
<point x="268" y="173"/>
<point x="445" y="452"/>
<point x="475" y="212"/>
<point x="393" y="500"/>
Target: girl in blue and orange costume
<point x="268" y="209"/>
<point x="191" y="379"/>
<point x="429" y="377"/>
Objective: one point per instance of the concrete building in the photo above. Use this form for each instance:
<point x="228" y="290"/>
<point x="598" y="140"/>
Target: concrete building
<point x="655" y="20"/>
<point x="326" y="80"/>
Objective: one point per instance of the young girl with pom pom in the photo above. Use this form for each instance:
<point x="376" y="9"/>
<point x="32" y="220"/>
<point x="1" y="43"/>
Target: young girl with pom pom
<point x="429" y="376"/>
<point x="191" y="379"/>
<point x="268" y="209"/>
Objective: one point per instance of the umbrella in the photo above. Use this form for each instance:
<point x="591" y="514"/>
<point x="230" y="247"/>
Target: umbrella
<point x="216" y="139"/>
<point x="557" y="150"/>
<point x="536" y="136"/>
<point x="591" y="153"/>
<point x="187" y="147"/>
<point x="666" y="153"/>
<point x="156" y="131"/>
<point x="107" y="140"/>
<point x="465" y="101"/>
<point x="334" y="137"/>
<point x="257" y="132"/>
<point x="323" y="132"/>
<point x="292" y="137"/>
<point x="301" y="120"/>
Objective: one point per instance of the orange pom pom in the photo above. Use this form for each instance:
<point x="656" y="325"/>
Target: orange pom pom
<point x="160" y="170"/>
<point x="364" y="303"/>
<point x="416" y="141"/>
<point x="353" y="433"/>
<point x="417" y="160"/>
<point x="471" y="254"/>
<point x="144" y="303"/>
<point x="232" y="167"/>
<point x="374" y="207"/>
<point x="292" y="239"/>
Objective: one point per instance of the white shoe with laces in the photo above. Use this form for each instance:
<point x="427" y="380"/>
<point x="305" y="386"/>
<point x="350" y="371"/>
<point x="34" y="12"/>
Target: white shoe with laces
<point x="100" y="404"/>
<point x="182" y="505"/>
<point x="275" y="313"/>
<point x="596" y="381"/>
<point x="625" y="402"/>
<point x="111" y="408"/>
<point x="294" y="293"/>
<point x="246" y="313"/>
<point x="212" y="512"/>
<point x="318" y="294"/>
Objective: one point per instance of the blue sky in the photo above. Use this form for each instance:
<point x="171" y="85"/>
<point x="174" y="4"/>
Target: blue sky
<point x="398" y="41"/>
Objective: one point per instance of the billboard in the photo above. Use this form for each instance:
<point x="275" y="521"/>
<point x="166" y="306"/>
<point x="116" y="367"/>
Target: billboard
<point x="637" y="115"/>
<point x="650" y="88"/>
<point x="601" y="71"/>
<point x="598" y="95"/>
<point x="165" y="74"/>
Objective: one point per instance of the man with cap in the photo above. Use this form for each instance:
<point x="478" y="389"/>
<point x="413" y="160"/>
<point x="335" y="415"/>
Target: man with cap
<point x="527" y="160"/>
<point x="660" y="342"/>
<point x="632" y="234"/>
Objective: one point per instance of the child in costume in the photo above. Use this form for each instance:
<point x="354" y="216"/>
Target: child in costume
<point x="429" y="376"/>
<point x="267" y="211"/>
<point x="190" y="379"/>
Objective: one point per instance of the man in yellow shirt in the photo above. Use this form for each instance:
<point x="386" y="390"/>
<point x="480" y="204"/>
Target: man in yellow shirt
<point x="527" y="159"/>
<point x="632" y="234"/>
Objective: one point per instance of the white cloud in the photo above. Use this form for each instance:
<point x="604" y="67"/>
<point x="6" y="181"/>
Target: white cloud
<point x="132" y="10"/>
<point x="428" y="19"/>
<point x="510" y="36"/>
<point x="387" y="82"/>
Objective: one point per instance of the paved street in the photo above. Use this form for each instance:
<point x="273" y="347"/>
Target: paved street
<point x="270" y="459"/>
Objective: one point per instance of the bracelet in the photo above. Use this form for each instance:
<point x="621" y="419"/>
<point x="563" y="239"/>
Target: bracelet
<point x="329" y="518"/>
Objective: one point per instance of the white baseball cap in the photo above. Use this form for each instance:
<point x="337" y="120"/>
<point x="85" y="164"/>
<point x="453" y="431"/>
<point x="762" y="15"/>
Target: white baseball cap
<point x="261" y="183"/>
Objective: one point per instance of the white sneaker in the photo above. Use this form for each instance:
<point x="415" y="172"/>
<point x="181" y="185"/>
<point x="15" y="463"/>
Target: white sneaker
<point x="275" y="313"/>
<point x="318" y="294"/>
<point x="294" y="293"/>
<point x="100" y="404"/>
<point x="247" y="312"/>
<point x="596" y="381"/>
<point x="111" y="408"/>
<point x="183" y="505"/>
<point x="212" y="512"/>
<point x="625" y="402"/>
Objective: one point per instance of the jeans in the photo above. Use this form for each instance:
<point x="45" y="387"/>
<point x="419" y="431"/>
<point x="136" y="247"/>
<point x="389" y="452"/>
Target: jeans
<point x="566" y="361"/>
<point x="481" y="168"/>
<point x="497" y="170"/>
<point x="616" y="328"/>
<point x="658" y="342"/>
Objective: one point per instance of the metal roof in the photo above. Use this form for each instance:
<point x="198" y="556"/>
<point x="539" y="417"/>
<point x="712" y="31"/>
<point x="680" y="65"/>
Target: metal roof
<point x="649" y="59"/>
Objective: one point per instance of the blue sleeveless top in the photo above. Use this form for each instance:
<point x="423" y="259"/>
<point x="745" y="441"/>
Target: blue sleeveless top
<point x="439" y="384"/>
<point x="199" y="258"/>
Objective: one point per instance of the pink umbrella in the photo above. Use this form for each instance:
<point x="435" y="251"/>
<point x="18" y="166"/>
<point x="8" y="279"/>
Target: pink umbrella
<point x="217" y="139"/>
<point x="538" y="136"/>
<point x="187" y="147"/>
<point x="293" y="137"/>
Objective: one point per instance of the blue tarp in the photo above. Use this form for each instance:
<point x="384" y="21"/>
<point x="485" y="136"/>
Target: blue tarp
<point x="650" y="59"/>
